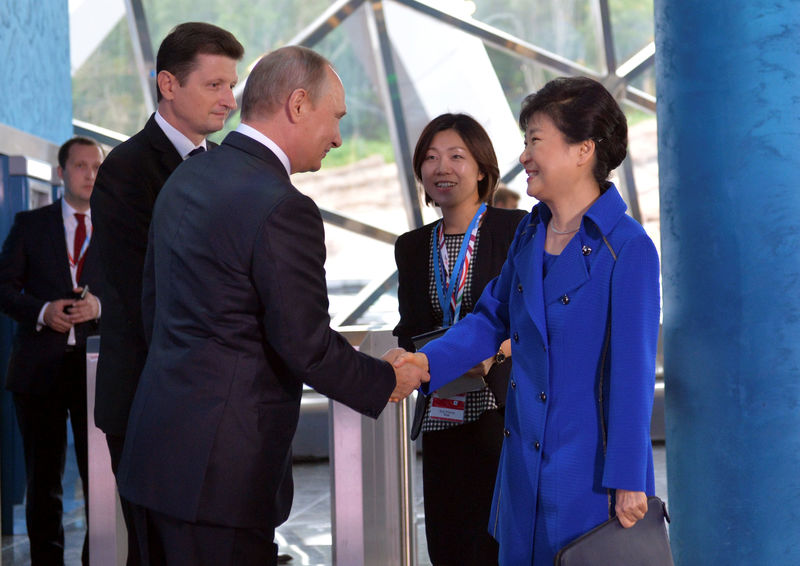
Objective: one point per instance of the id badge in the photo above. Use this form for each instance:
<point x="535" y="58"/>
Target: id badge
<point x="448" y="409"/>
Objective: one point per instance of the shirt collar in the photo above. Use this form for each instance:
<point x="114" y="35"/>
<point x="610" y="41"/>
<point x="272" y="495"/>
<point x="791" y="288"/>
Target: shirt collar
<point x="67" y="212"/>
<point x="182" y="144"/>
<point x="251" y="132"/>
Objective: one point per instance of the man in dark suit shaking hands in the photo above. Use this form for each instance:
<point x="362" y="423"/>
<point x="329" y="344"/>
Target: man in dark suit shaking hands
<point x="196" y="65"/>
<point x="235" y="305"/>
<point x="47" y="266"/>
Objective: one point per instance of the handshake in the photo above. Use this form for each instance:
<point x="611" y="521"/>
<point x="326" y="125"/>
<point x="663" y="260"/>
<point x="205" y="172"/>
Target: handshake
<point x="410" y="371"/>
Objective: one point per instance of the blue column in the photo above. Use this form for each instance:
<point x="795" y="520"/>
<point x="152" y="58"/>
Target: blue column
<point x="728" y="79"/>
<point x="35" y="81"/>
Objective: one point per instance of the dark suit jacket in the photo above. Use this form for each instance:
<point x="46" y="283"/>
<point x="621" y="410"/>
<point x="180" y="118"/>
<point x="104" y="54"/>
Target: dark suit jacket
<point x="34" y="269"/>
<point x="236" y="304"/>
<point x="412" y="254"/>
<point x="124" y="193"/>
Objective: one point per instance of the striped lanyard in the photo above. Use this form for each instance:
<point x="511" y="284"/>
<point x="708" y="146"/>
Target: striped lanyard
<point x="451" y="290"/>
<point x="74" y="262"/>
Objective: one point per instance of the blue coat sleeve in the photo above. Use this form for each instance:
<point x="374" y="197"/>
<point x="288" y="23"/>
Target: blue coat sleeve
<point x="635" y="313"/>
<point x="478" y="335"/>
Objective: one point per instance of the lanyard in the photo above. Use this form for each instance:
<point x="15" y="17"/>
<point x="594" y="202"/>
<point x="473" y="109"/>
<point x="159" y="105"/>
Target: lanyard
<point x="74" y="261"/>
<point x="451" y="291"/>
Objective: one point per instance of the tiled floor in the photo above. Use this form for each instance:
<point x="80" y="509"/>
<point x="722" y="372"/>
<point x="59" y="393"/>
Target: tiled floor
<point x="306" y="536"/>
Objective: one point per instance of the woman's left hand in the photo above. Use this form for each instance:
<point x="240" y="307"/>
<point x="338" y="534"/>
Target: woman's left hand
<point x="631" y="506"/>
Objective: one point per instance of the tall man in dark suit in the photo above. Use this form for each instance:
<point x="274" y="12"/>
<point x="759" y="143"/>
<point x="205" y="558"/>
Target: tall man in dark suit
<point x="45" y="265"/>
<point x="235" y="305"/>
<point x="196" y="66"/>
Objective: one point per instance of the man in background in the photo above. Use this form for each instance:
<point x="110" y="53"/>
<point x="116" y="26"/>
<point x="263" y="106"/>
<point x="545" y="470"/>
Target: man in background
<point x="505" y="198"/>
<point x="196" y="66"/>
<point x="47" y="266"/>
<point x="235" y="265"/>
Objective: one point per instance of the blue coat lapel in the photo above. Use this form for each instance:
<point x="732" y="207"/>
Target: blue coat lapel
<point x="568" y="272"/>
<point x="529" y="270"/>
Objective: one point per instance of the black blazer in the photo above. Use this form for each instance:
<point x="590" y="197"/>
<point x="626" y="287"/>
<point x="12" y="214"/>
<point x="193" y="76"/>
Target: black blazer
<point x="34" y="269"/>
<point x="412" y="253"/>
<point x="125" y="191"/>
<point x="236" y="305"/>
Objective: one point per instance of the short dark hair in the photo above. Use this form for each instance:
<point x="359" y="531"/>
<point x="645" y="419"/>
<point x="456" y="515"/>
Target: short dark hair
<point x="278" y="74"/>
<point x="178" y="52"/>
<point x="582" y="109"/>
<point x="477" y="142"/>
<point x="503" y="195"/>
<point x="63" y="151"/>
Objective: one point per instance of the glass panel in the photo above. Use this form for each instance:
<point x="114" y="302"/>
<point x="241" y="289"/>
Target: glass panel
<point x="518" y="77"/>
<point x="643" y="148"/>
<point x="259" y="25"/>
<point x="632" y="23"/>
<point x="106" y="90"/>
<point x="646" y="81"/>
<point x="364" y="129"/>
<point x="359" y="180"/>
<point x="565" y="27"/>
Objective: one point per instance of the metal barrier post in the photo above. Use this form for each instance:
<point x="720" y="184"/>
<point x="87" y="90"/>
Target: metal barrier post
<point x="372" y="491"/>
<point x="108" y="543"/>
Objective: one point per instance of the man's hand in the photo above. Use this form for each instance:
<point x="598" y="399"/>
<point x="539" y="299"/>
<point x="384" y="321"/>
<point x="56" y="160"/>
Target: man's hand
<point x="392" y="355"/>
<point x="83" y="309"/>
<point x="55" y="317"/>
<point x="409" y="372"/>
<point x="418" y="359"/>
<point x="631" y="506"/>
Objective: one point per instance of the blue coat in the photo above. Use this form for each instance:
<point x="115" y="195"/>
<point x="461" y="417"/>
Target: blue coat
<point x="555" y="473"/>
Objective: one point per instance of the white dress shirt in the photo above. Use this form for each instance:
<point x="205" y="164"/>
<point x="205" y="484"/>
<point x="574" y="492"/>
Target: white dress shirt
<point x="251" y="132"/>
<point x="70" y="225"/>
<point x="180" y="141"/>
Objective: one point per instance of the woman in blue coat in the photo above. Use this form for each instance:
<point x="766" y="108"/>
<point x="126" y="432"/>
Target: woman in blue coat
<point x="579" y="296"/>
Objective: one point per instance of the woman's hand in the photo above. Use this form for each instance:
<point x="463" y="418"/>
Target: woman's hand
<point x="631" y="506"/>
<point x="481" y="369"/>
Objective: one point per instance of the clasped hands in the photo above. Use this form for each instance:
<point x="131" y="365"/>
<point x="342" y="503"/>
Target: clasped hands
<point x="63" y="314"/>
<point x="410" y="371"/>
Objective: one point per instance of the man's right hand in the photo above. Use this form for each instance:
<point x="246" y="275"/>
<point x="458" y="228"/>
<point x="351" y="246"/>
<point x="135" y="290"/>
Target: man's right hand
<point x="408" y="376"/>
<point x="55" y="317"/>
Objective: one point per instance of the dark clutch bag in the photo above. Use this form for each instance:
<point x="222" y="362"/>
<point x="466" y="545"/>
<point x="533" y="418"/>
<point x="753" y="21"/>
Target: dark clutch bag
<point x="463" y="384"/>
<point x="644" y="544"/>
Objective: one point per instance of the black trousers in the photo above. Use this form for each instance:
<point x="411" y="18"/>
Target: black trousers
<point x="459" y="466"/>
<point x="167" y="541"/>
<point x="43" y="423"/>
<point x="115" y="445"/>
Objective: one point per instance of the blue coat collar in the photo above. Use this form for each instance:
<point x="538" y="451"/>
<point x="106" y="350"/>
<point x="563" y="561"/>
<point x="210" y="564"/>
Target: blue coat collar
<point x="572" y="269"/>
<point x="604" y="213"/>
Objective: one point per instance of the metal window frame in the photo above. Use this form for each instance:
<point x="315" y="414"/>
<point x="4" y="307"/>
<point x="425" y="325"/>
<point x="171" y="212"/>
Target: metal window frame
<point x="616" y="76"/>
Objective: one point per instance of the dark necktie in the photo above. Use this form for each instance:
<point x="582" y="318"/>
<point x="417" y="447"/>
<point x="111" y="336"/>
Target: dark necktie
<point x="80" y="238"/>
<point x="195" y="151"/>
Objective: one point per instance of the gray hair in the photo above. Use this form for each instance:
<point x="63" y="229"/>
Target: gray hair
<point x="280" y="73"/>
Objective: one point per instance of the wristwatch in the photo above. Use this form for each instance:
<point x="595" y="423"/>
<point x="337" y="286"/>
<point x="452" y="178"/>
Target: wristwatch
<point x="499" y="357"/>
